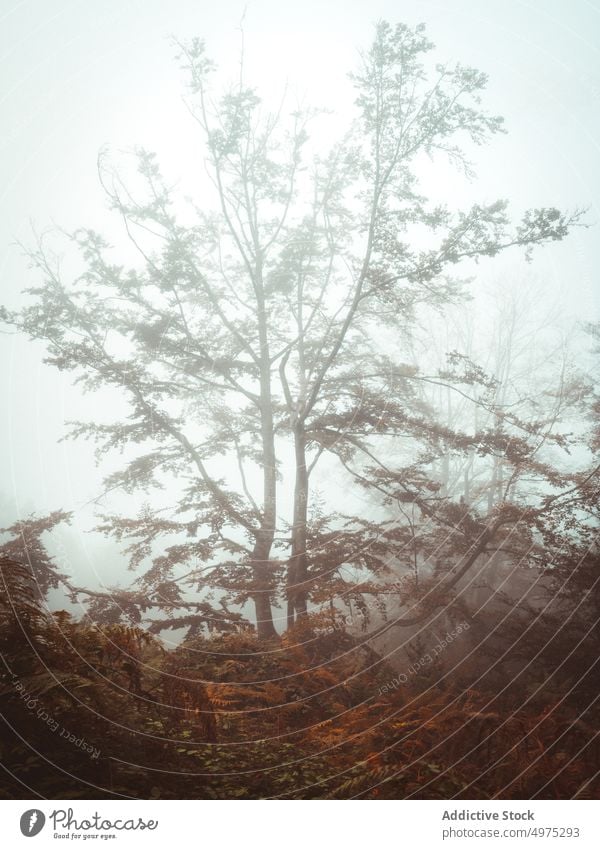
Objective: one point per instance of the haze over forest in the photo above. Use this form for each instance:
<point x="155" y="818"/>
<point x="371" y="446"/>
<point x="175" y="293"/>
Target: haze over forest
<point x="75" y="82"/>
<point x="317" y="289"/>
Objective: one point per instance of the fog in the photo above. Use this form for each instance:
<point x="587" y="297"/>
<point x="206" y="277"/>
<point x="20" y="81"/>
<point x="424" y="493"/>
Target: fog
<point x="322" y="319"/>
<point x="77" y="80"/>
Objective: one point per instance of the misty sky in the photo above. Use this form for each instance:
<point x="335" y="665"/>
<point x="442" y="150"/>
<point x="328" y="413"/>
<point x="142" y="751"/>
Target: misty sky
<point x="78" y="75"/>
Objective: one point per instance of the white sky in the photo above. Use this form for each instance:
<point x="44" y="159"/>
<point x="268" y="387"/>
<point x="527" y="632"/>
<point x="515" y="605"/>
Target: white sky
<point x="78" y="75"/>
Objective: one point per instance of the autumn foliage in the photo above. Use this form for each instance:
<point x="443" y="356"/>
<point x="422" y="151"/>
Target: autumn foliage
<point x="306" y="717"/>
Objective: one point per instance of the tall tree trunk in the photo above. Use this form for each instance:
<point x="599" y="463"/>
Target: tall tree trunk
<point x="297" y="590"/>
<point x="264" y="539"/>
<point x="262" y="595"/>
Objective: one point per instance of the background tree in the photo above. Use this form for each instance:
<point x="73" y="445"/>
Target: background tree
<point x="276" y="318"/>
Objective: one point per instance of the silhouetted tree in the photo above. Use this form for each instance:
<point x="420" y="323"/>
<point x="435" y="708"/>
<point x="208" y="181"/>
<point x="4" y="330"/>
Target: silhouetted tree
<point x="262" y="327"/>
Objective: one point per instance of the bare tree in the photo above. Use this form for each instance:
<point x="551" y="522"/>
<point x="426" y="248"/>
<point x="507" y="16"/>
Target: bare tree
<point x="259" y="325"/>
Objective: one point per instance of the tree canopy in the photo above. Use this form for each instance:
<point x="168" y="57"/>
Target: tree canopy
<point x="284" y="443"/>
<point x="274" y="325"/>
